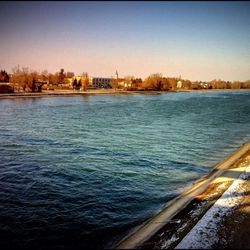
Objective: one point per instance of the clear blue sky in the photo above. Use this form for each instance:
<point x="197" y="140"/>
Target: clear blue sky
<point x="197" y="40"/>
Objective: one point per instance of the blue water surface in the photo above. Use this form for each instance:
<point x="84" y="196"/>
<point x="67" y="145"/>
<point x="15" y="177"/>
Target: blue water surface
<point x="81" y="171"/>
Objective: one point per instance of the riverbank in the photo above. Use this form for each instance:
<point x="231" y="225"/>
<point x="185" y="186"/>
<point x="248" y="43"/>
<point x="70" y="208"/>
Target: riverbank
<point x="45" y="93"/>
<point x="103" y="92"/>
<point x="199" y="217"/>
<point x="77" y="93"/>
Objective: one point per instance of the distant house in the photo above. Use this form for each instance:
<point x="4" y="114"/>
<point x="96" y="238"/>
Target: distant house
<point x="205" y="85"/>
<point x="126" y="84"/>
<point x="69" y="81"/>
<point x="179" y="84"/>
<point x="6" y="88"/>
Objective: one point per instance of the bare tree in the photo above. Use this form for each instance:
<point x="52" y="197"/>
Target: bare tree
<point x="246" y="84"/>
<point x="45" y="75"/>
<point x="153" y="82"/>
<point x="25" y="79"/>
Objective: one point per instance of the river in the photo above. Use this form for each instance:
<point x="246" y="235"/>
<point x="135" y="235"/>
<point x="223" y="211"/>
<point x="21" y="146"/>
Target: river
<point x="81" y="171"/>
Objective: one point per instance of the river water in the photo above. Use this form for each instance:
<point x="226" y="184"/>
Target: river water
<point x="81" y="171"/>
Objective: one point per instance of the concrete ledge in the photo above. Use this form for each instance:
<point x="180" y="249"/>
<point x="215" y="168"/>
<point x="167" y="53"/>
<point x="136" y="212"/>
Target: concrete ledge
<point x="150" y="227"/>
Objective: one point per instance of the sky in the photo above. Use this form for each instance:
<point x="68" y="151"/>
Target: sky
<point x="195" y="40"/>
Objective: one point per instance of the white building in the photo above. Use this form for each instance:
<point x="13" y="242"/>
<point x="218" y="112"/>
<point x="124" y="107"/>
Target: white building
<point x="179" y="84"/>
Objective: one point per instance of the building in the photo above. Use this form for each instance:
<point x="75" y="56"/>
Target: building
<point x="101" y="82"/>
<point x="123" y="83"/>
<point x="205" y="85"/>
<point x="6" y="88"/>
<point x="179" y="84"/>
<point x="104" y="82"/>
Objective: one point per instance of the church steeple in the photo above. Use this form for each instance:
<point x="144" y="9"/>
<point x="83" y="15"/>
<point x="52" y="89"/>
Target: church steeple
<point x="116" y="75"/>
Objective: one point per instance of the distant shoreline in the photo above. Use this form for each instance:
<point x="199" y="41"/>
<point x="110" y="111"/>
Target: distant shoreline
<point x="213" y="90"/>
<point x="46" y="93"/>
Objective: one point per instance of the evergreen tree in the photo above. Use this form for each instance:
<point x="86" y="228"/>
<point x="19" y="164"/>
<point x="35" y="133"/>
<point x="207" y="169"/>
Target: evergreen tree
<point x="61" y="76"/>
<point x="4" y="77"/>
<point x="75" y="83"/>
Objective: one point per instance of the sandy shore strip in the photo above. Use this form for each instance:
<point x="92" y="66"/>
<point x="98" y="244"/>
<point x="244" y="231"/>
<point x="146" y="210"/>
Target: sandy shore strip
<point x="180" y="216"/>
<point x="49" y="93"/>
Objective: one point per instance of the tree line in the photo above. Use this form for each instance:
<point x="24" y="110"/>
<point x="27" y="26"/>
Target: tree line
<point x="25" y="79"/>
<point x="158" y="82"/>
